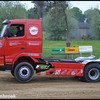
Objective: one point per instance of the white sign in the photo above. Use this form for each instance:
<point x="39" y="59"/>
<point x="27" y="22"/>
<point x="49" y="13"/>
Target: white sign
<point x="84" y="49"/>
<point x="33" y="30"/>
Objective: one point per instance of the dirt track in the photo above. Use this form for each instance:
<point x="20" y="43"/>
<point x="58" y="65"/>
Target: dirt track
<point x="48" y="88"/>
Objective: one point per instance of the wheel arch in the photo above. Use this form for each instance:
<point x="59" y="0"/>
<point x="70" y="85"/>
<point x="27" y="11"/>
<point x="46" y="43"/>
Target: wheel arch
<point x="24" y="59"/>
<point x="91" y="63"/>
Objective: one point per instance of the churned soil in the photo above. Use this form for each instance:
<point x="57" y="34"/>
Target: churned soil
<point x="48" y="88"/>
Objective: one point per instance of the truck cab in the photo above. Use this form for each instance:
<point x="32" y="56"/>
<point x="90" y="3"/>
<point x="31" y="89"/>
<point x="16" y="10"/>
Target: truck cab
<point x="29" y="44"/>
<point x="21" y="41"/>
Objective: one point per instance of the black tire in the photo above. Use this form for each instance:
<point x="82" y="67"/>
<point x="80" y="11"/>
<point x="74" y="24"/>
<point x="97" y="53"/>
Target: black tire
<point x="92" y="72"/>
<point x="24" y="72"/>
<point x="12" y="72"/>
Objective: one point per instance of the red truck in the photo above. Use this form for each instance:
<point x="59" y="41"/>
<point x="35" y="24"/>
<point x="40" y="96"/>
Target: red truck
<point x="22" y="54"/>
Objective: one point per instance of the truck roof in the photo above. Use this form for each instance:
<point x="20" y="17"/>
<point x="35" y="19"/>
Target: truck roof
<point x="20" y="20"/>
<point x="24" y="20"/>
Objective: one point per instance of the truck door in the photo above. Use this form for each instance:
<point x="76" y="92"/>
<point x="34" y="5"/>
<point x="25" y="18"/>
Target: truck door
<point x="2" y="40"/>
<point x="15" y="42"/>
<point x="2" y="52"/>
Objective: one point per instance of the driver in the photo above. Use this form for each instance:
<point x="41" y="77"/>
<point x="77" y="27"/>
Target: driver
<point x="20" y="31"/>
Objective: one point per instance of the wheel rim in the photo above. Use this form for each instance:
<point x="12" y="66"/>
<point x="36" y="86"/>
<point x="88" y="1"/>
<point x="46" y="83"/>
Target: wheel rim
<point x="94" y="74"/>
<point x="24" y="72"/>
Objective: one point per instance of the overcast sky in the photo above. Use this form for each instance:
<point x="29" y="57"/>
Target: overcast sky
<point x="83" y="5"/>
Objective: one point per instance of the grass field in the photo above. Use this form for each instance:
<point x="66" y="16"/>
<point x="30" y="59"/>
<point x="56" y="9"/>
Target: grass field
<point x="48" y="45"/>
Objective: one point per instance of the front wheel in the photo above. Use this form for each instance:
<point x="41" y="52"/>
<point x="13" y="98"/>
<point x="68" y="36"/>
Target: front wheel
<point x="12" y="72"/>
<point x="24" y="72"/>
<point x="92" y="72"/>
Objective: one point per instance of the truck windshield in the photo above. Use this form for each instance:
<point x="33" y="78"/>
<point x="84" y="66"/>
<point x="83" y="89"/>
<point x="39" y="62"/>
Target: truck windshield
<point x="3" y="31"/>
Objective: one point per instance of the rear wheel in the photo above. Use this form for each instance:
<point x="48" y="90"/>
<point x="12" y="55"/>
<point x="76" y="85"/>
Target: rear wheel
<point x="92" y="72"/>
<point x="24" y="72"/>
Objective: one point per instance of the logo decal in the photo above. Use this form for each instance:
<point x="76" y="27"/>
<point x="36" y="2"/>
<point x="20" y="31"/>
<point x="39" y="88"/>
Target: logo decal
<point x="33" y="30"/>
<point x="14" y="43"/>
<point x="73" y="73"/>
<point x="33" y="54"/>
<point x="58" y="72"/>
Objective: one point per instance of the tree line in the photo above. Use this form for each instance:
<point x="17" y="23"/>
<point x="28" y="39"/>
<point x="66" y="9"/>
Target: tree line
<point x="52" y="14"/>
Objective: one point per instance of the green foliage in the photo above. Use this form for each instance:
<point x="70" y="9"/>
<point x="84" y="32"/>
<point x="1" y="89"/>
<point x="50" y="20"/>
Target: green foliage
<point x="88" y="37"/>
<point x="33" y="13"/>
<point x="77" y="14"/>
<point x="55" y="25"/>
<point x="88" y="14"/>
<point x="40" y="7"/>
<point x="73" y="23"/>
<point x="95" y="22"/>
<point x="11" y="10"/>
<point x="94" y="18"/>
<point x="54" y="22"/>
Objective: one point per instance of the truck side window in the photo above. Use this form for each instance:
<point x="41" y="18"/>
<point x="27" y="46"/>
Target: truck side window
<point x="16" y="30"/>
